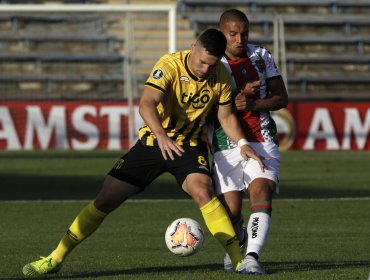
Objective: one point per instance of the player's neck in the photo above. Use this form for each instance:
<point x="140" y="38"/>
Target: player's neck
<point x="232" y="57"/>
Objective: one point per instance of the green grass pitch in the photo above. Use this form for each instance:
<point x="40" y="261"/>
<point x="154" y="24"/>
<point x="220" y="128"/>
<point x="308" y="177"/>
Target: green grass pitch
<point x="320" y="229"/>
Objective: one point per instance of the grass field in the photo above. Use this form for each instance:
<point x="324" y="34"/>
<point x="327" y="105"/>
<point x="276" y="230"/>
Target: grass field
<point x="320" y="230"/>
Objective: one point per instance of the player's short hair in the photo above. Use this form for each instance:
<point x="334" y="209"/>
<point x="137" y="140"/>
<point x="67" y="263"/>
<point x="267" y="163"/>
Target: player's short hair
<point x="233" y="15"/>
<point x="213" y="41"/>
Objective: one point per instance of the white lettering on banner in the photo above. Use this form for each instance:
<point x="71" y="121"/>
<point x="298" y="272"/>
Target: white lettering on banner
<point x="36" y="126"/>
<point x="321" y="119"/>
<point x="8" y="132"/>
<point x="49" y="129"/>
<point x="114" y="114"/>
<point x="86" y="128"/>
<point x="352" y="122"/>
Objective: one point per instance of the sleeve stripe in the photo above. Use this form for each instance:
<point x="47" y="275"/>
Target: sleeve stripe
<point x="155" y="86"/>
<point x="224" y="103"/>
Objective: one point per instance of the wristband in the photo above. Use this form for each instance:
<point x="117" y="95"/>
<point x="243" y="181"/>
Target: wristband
<point x="242" y="142"/>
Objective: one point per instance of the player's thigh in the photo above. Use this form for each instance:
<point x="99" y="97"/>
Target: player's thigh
<point x="192" y="173"/>
<point x="140" y="166"/>
<point x="113" y="193"/>
<point x="254" y="176"/>
<point x="228" y="171"/>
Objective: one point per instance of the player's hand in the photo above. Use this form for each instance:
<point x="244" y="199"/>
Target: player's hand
<point x="244" y="103"/>
<point x="247" y="152"/>
<point x="245" y="99"/>
<point x="169" y="147"/>
<point x="251" y="89"/>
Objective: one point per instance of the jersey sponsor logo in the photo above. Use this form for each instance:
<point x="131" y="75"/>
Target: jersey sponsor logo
<point x="184" y="79"/>
<point x="157" y="74"/>
<point x="197" y="100"/>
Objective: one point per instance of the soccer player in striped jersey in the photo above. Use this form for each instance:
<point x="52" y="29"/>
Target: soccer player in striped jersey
<point x="258" y="89"/>
<point x="175" y="102"/>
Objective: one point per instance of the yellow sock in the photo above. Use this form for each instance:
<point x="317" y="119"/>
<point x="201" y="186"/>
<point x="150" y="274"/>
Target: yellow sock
<point x="84" y="224"/>
<point x="220" y="226"/>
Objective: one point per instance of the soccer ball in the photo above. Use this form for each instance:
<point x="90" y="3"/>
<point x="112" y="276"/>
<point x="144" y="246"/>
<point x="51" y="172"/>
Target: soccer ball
<point x="184" y="237"/>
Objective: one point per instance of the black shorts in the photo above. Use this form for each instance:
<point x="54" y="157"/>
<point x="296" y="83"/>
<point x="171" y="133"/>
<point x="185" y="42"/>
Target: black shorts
<point x="142" y="164"/>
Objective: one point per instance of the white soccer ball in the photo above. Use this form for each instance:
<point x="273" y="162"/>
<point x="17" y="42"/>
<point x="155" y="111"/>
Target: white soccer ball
<point x="184" y="237"/>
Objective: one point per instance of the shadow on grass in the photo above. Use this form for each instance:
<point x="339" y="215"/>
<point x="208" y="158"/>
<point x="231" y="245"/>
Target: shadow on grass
<point x="43" y="187"/>
<point x="132" y="271"/>
<point x="272" y="268"/>
<point x="276" y="267"/>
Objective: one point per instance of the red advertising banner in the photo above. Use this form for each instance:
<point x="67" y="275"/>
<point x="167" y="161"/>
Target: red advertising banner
<point x="65" y="125"/>
<point x="324" y="126"/>
<point x="104" y="125"/>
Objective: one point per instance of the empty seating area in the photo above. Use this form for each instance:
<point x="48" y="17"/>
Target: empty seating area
<point x="279" y="6"/>
<point x="79" y="55"/>
<point x="75" y="55"/>
<point x="58" y="56"/>
<point x="327" y="42"/>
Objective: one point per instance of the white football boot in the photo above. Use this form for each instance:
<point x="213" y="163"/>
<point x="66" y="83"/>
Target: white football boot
<point x="249" y="265"/>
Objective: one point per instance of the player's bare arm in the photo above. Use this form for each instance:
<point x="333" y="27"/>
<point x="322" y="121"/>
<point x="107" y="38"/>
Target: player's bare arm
<point x="148" y="110"/>
<point x="277" y="99"/>
<point x="230" y="125"/>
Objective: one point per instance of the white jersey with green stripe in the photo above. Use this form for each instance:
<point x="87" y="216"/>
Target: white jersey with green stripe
<point x="258" y="126"/>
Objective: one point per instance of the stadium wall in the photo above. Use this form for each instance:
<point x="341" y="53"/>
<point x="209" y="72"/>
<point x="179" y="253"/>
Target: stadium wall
<point x="90" y="125"/>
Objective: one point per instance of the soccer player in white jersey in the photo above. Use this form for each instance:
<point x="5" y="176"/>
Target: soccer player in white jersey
<point x="258" y="89"/>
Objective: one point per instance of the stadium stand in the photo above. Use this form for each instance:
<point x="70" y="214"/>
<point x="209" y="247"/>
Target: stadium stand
<point x="280" y="6"/>
<point x="47" y="56"/>
<point x="327" y="42"/>
<point x="78" y="55"/>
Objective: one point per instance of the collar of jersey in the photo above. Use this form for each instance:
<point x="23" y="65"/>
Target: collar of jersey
<point x="193" y="76"/>
<point x="244" y="55"/>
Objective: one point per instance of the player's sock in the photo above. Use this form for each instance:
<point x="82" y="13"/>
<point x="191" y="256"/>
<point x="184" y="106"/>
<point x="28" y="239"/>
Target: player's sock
<point x="87" y="221"/>
<point x="258" y="227"/>
<point x="220" y="226"/>
<point x="239" y="230"/>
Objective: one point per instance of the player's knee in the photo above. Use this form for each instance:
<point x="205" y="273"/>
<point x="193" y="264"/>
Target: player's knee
<point x="262" y="191"/>
<point x="201" y="196"/>
<point x="204" y="197"/>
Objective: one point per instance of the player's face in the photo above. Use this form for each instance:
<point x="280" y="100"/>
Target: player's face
<point x="236" y="34"/>
<point x="201" y="62"/>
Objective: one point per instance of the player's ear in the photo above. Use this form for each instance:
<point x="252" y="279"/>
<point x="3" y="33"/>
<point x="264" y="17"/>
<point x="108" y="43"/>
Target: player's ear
<point x="193" y="45"/>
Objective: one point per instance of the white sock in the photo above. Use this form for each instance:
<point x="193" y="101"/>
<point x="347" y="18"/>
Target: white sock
<point x="258" y="229"/>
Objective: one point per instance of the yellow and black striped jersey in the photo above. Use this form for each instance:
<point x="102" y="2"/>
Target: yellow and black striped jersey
<point x="187" y="99"/>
